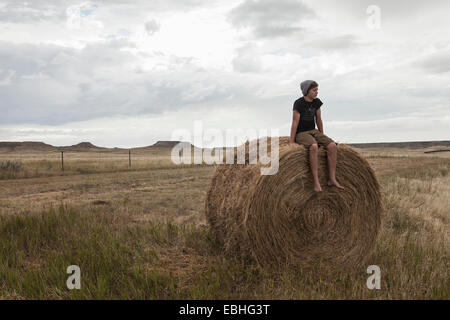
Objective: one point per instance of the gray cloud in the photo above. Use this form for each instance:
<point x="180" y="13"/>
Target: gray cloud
<point x="151" y="27"/>
<point x="247" y="59"/>
<point x="37" y="11"/>
<point x="438" y="62"/>
<point x="55" y="10"/>
<point x="270" y="19"/>
<point x="343" y="42"/>
<point x="48" y="84"/>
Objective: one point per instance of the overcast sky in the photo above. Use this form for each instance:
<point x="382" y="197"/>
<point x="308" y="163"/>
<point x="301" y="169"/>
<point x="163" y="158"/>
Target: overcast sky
<point x="128" y="75"/>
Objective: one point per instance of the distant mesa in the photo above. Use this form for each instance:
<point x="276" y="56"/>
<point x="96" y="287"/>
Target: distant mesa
<point x="409" y="145"/>
<point x="164" y="145"/>
<point x="85" y="145"/>
<point x="169" y="144"/>
<point x="41" y="146"/>
<point x="26" y="145"/>
<point x="82" y="146"/>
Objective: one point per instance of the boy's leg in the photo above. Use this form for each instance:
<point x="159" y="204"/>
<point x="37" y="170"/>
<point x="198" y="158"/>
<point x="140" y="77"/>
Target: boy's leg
<point x="314" y="164"/>
<point x="307" y="140"/>
<point x="330" y="145"/>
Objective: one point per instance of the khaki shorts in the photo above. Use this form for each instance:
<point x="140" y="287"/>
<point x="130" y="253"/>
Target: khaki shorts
<point x="307" y="138"/>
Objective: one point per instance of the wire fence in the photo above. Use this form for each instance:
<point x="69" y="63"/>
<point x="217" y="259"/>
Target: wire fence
<point x="29" y="164"/>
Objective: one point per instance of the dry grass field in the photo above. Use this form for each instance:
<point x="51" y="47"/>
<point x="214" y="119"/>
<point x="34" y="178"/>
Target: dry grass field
<point x="140" y="232"/>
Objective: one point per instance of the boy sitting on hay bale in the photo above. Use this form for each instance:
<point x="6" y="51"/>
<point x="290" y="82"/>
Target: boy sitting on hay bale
<point x="303" y="131"/>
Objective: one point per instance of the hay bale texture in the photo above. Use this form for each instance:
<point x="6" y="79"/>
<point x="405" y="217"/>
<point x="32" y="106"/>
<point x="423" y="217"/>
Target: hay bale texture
<point x="279" y="219"/>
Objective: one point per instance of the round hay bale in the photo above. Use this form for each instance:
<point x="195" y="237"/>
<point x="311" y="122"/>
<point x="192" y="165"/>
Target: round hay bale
<point x="279" y="219"/>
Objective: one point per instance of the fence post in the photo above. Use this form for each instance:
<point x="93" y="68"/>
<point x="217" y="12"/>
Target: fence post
<point x="62" y="160"/>
<point x="129" y="158"/>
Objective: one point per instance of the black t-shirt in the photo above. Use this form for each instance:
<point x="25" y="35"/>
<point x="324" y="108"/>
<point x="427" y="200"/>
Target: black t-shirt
<point x="307" y="112"/>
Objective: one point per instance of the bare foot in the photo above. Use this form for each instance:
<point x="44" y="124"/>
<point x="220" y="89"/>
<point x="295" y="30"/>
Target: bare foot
<point x="317" y="187"/>
<point x="335" y="183"/>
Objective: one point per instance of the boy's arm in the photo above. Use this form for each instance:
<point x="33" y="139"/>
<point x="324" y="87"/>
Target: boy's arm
<point x="319" y="120"/>
<point x="295" y="121"/>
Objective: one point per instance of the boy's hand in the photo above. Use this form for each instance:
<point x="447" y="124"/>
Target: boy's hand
<point x="293" y="144"/>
